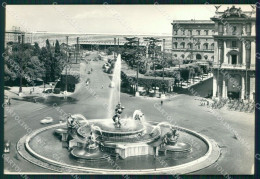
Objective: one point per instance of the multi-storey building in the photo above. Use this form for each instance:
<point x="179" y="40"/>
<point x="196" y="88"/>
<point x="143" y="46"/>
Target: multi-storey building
<point x="193" y="40"/>
<point x="15" y="36"/>
<point x="235" y="54"/>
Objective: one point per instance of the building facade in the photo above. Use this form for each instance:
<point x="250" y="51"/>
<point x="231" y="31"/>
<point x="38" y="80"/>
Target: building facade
<point x="235" y="54"/>
<point x="193" y="40"/>
<point x="15" y="36"/>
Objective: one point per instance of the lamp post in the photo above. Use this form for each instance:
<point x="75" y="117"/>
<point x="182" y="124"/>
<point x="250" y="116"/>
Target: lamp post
<point x="21" y="71"/>
<point x="114" y="48"/>
<point x="77" y="49"/>
<point x="137" y="71"/>
<point x="66" y="83"/>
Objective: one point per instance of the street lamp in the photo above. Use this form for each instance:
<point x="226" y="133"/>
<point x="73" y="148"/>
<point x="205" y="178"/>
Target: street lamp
<point x="66" y="84"/>
<point x="137" y="71"/>
<point x="21" y="71"/>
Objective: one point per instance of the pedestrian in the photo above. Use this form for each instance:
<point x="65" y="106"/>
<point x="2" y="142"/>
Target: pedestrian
<point x="9" y="101"/>
<point x="102" y="86"/>
<point x="161" y="102"/>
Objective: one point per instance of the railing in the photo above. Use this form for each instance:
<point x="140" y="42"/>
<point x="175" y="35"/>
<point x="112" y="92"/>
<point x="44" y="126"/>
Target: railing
<point x="229" y="66"/>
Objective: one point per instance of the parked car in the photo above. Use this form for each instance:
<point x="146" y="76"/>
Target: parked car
<point x="6" y="99"/>
<point x="49" y="90"/>
<point x="47" y="120"/>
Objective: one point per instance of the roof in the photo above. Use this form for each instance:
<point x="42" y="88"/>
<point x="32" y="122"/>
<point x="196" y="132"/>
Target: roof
<point x="192" y="21"/>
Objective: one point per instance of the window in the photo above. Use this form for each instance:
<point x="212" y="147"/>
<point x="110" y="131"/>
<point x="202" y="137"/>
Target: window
<point x="220" y="28"/>
<point x="182" y="45"/>
<point x="175" y="32"/>
<point x="198" y="31"/>
<point x="234" y="44"/>
<point x="198" y="46"/>
<point x="206" y="32"/>
<point x="234" y="59"/>
<point x="206" y="46"/>
<point x="183" y="32"/>
<point x="248" y="29"/>
<point x="175" y="45"/>
<point x="212" y="46"/>
<point x="234" y="30"/>
<point x="190" y="32"/>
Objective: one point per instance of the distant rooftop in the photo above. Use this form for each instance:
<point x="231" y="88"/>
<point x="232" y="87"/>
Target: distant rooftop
<point x="192" y="21"/>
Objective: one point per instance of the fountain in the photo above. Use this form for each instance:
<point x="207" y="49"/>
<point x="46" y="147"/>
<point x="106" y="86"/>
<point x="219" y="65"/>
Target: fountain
<point x="117" y="136"/>
<point x="127" y="139"/>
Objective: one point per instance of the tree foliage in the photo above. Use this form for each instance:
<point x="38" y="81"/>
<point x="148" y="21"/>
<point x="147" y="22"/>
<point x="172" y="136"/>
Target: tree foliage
<point x="33" y="62"/>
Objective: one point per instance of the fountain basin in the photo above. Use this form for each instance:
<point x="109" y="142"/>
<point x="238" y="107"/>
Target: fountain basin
<point x="203" y="154"/>
<point x="178" y="147"/>
<point x="82" y="155"/>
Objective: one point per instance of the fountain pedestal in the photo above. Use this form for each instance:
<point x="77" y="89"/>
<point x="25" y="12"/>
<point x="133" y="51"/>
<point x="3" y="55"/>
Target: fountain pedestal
<point x="128" y="150"/>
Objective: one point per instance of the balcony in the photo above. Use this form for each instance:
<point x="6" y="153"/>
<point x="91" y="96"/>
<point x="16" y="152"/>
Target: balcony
<point x="230" y="66"/>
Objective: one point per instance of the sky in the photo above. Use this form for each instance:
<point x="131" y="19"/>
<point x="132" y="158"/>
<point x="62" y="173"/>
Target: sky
<point x="106" y="19"/>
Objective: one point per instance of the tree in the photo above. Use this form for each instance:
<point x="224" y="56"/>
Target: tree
<point x="46" y="60"/>
<point x="192" y="73"/>
<point x="57" y="47"/>
<point x="185" y="74"/>
<point x="36" y="49"/>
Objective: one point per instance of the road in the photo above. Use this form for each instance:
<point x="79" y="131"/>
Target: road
<point x="184" y="110"/>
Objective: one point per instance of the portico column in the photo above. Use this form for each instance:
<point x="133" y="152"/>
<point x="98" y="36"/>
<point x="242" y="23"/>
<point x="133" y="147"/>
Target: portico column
<point x="214" y="84"/>
<point x="242" y="87"/>
<point x="225" y="51"/>
<point x="244" y="53"/>
<point x="224" y="95"/>
<point x="253" y="53"/>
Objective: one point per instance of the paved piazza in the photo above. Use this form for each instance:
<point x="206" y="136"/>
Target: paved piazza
<point x="233" y="132"/>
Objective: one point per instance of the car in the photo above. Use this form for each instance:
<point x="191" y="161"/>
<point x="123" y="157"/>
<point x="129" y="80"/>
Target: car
<point x="6" y="99"/>
<point x="47" y="120"/>
<point x="49" y="90"/>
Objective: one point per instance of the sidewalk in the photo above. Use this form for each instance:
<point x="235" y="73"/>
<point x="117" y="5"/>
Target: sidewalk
<point x="38" y="91"/>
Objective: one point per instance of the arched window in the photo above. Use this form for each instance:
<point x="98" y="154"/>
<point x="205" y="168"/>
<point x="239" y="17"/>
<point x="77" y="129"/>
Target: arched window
<point x="212" y="46"/>
<point x="190" y="45"/>
<point x="182" y="56"/>
<point x="233" y="57"/>
<point x="206" y="57"/>
<point x="205" y="46"/>
<point x="182" y="45"/>
<point x="198" y="45"/>
<point x="212" y="57"/>
<point x="175" y="45"/>
<point x="198" y="57"/>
